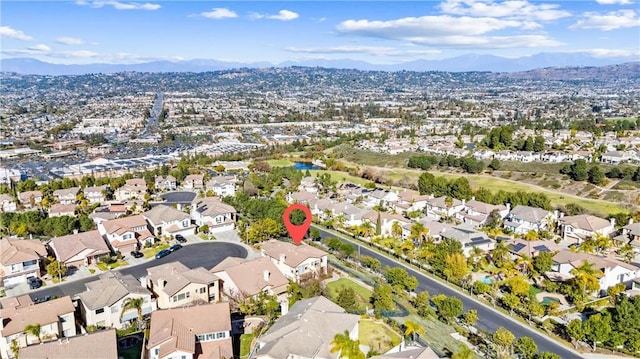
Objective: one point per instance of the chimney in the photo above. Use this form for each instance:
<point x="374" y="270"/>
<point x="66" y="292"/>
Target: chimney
<point x="282" y="258"/>
<point x="508" y="207"/>
<point x="161" y="283"/>
<point x="630" y="220"/>
<point x="473" y="198"/>
<point x="284" y="307"/>
<point x="561" y="214"/>
<point x="464" y="201"/>
<point x="613" y="221"/>
<point x="75" y="231"/>
<point x="266" y="274"/>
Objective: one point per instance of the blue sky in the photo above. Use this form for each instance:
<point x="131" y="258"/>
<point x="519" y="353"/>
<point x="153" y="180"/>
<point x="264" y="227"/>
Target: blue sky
<point x="87" y="31"/>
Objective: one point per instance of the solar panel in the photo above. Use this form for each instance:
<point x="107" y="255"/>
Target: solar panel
<point x="542" y="248"/>
<point x="518" y="247"/>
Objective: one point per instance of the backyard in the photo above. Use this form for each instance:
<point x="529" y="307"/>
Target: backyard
<point x="363" y="294"/>
<point x="377" y="335"/>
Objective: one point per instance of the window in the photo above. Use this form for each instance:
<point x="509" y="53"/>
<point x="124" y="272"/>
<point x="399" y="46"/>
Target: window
<point x="157" y="351"/>
<point x="202" y="290"/>
<point x="188" y="294"/>
<point x="100" y="311"/>
<point x="218" y="219"/>
<point x="220" y="335"/>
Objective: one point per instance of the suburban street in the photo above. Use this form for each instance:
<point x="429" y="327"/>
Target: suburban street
<point x="489" y="319"/>
<point x="201" y="254"/>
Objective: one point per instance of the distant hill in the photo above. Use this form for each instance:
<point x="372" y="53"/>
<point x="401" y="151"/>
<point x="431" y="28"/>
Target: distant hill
<point x="465" y="63"/>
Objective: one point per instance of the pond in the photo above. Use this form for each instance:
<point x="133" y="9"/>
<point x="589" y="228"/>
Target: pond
<point x="303" y="166"/>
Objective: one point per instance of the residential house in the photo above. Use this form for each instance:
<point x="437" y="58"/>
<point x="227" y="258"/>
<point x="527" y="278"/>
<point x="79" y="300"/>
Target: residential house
<point x="476" y="213"/>
<point x="523" y="219"/>
<point x="247" y="278"/>
<point x="222" y="186"/>
<point x="30" y="199"/>
<point x="296" y="262"/>
<point x="104" y="300"/>
<point x="308" y="184"/>
<point x="97" y="345"/>
<point x="112" y="211"/>
<point x="615" y="157"/>
<point x="531" y="249"/>
<point x="166" y="183"/>
<point x="20" y="260"/>
<point x="631" y="234"/>
<point x="348" y="214"/>
<point x="583" y="226"/>
<point x="168" y="221"/>
<point x="217" y="215"/>
<point x="59" y="210"/>
<point x="402" y="352"/>
<point x="127" y="233"/>
<point x="96" y="194"/>
<point x="387" y="221"/>
<point x="134" y="188"/>
<point x="306" y="331"/>
<point x="444" y="207"/>
<point x="321" y="208"/>
<point x="197" y="332"/>
<point x="411" y="201"/>
<point x="55" y="317"/>
<point x="614" y="271"/>
<point x="175" y="285"/>
<point x="383" y="197"/>
<point x="469" y="238"/>
<point x="7" y="203"/>
<point x="193" y="182"/>
<point x="66" y="196"/>
<point x="79" y="249"/>
<point x="301" y="197"/>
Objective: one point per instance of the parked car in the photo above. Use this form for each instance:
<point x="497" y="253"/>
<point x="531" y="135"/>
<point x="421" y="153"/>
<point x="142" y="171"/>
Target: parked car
<point x="180" y="238"/>
<point x="163" y="253"/>
<point x="175" y="247"/>
<point x="137" y="254"/>
<point x="34" y="283"/>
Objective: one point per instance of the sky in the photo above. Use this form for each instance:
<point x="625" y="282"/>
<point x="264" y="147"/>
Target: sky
<point x="381" y="32"/>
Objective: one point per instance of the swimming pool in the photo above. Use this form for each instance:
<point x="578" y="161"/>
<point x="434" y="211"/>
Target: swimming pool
<point x="486" y="280"/>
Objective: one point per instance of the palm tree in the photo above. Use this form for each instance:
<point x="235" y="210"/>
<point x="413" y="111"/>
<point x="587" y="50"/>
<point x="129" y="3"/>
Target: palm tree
<point x="500" y="254"/>
<point x="531" y="235"/>
<point x="133" y="303"/>
<point x="587" y="275"/>
<point x="525" y="263"/>
<point x="412" y="328"/>
<point x="35" y="330"/>
<point x="418" y="232"/>
<point x="346" y="347"/>
<point x="494" y="232"/>
<point x="627" y="253"/>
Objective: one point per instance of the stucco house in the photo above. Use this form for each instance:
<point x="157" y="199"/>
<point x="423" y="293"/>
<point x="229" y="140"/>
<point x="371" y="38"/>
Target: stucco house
<point x="247" y="278"/>
<point x="20" y="259"/>
<point x="217" y="215"/>
<point x="175" y="285"/>
<point x="127" y="233"/>
<point x="296" y="262"/>
<point x="584" y="226"/>
<point x="79" y="249"/>
<point x="166" y="220"/>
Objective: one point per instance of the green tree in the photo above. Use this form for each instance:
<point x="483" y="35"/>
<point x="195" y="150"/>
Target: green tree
<point x="539" y="144"/>
<point x="55" y="268"/>
<point x="456" y="267"/>
<point x="347" y="299"/>
<point x="346" y="347"/>
<point x="495" y="164"/>
<point x="263" y="230"/>
<point x="464" y="353"/>
<point x="596" y="176"/>
<point x="547" y="355"/>
<point x="15" y="348"/>
<point x="526" y="348"/>
<point x="448" y="307"/>
<point x="504" y="339"/>
<point x="519" y="285"/>
<point x="586" y="277"/>
<point x="422" y="304"/>
<point x="543" y="262"/>
<point x="34" y="330"/>
<point x="575" y="331"/>
<point x="471" y="317"/>
<point x="597" y="329"/>
<point x="399" y="277"/>
<point x="382" y="298"/>
<point x="371" y="263"/>
<point x="511" y="301"/>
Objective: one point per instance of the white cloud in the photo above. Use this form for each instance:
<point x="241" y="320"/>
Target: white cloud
<point x="609" y="21"/>
<point x="613" y="2"/>
<point x="370" y="50"/>
<point x="219" y="13"/>
<point x="40" y="47"/>
<point x="11" y="33"/>
<point x="119" y="5"/>
<point x="67" y="40"/>
<point x="514" y="9"/>
<point x="282" y="15"/>
<point x="81" y="53"/>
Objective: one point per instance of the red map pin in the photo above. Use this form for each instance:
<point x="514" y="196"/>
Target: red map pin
<point x="297" y="232"/>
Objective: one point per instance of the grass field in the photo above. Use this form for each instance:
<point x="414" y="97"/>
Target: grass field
<point x="280" y="163"/>
<point x="245" y="345"/>
<point x="495" y="184"/>
<point x="363" y="294"/>
<point x="377" y="336"/>
<point x="150" y="252"/>
<point x="341" y="177"/>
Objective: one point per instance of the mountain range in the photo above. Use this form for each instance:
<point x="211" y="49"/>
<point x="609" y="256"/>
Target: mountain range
<point x="471" y="62"/>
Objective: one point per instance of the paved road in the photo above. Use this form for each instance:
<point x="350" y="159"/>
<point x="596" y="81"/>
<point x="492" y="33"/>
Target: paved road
<point x="488" y="318"/>
<point x="202" y="254"/>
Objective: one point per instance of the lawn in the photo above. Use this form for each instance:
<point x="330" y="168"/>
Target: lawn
<point x="341" y="177"/>
<point x="377" y="336"/>
<point x="245" y="345"/>
<point x="150" y="252"/>
<point x="363" y="294"/>
<point x="280" y="163"/>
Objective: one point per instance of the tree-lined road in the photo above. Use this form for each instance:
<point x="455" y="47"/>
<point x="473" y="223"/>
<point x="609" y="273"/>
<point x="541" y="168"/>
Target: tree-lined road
<point x="489" y="319"/>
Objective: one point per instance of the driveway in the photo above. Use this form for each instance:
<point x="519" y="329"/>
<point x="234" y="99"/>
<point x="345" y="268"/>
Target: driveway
<point x="204" y="254"/>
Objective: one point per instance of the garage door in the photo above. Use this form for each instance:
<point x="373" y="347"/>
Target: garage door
<point x="11" y="281"/>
